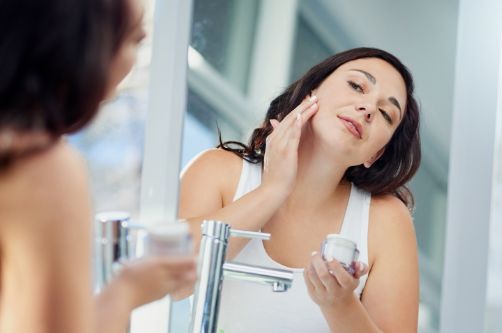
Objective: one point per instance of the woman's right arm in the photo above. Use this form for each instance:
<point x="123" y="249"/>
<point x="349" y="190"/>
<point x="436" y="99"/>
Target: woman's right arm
<point x="208" y="184"/>
<point x="211" y="180"/>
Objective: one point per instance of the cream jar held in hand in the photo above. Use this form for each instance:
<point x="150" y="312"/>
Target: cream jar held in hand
<point x="168" y="239"/>
<point x="340" y="248"/>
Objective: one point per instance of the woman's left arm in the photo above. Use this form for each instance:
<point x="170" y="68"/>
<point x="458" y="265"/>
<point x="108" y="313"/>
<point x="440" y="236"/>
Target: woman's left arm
<point x="389" y="301"/>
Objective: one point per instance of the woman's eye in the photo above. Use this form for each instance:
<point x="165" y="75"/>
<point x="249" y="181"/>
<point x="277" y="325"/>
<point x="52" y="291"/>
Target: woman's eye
<point x="355" y="86"/>
<point x="386" y="116"/>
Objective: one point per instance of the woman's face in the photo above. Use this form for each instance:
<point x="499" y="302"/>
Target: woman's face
<point x="124" y="59"/>
<point x="361" y="104"/>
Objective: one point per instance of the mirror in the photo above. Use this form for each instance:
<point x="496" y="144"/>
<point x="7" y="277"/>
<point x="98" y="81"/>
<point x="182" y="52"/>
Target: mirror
<point x="241" y="56"/>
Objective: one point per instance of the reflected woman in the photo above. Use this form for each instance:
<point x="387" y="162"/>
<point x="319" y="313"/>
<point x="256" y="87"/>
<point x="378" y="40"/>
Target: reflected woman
<point x="59" y="60"/>
<point x="333" y="155"/>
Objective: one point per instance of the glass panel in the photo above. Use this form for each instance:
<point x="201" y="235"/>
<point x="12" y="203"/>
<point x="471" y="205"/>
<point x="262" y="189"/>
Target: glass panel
<point x="223" y="33"/>
<point x="309" y="49"/>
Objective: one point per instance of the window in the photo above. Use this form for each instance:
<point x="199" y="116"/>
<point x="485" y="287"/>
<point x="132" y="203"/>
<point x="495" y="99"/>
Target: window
<point x="223" y="33"/>
<point x="309" y="49"/>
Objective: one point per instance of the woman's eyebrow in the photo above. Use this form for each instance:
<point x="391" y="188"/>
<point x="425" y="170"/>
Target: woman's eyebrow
<point x="372" y="79"/>
<point x="394" y="101"/>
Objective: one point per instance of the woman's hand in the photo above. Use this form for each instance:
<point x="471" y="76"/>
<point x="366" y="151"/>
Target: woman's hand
<point x="148" y="279"/>
<point x="281" y="156"/>
<point x="140" y="282"/>
<point x="329" y="284"/>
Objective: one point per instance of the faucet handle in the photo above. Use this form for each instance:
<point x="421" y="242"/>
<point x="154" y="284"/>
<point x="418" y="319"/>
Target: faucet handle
<point x="249" y="234"/>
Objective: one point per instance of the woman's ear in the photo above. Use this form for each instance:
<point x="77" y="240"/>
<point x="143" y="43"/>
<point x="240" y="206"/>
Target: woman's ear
<point x="374" y="158"/>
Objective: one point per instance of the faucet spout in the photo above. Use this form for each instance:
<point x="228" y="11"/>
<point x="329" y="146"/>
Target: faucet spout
<point x="279" y="279"/>
<point x="212" y="269"/>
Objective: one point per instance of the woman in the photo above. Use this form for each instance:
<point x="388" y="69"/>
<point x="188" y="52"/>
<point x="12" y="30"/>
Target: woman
<point x="333" y="155"/>
<point x="60" y="59"/>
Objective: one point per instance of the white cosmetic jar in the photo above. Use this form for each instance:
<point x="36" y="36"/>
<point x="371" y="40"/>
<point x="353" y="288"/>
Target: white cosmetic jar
<point x="168" y="239"/>
<point x="343" y="249"/>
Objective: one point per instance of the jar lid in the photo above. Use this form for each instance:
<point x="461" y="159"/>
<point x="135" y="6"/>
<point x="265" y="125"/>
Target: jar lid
<point x="341" y="239"/>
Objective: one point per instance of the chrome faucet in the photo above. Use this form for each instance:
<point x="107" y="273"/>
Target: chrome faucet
<point x="116" y="243"/>
<point x="212" y="268"/>
<point x="113" y="244"/>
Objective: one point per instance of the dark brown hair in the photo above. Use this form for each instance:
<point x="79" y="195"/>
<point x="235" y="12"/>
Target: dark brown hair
<point x="55" y="58"/>
<point x="401" y="159"/>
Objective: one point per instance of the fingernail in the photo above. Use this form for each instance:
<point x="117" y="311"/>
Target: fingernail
<point x="298" y="117"/>
<point x="331" y="272"/>
<point x="313" y="253"/>
<point x="313" y="98"/>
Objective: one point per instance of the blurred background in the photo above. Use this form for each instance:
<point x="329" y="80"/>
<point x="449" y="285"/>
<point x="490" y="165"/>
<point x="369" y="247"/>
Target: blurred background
<point x="244" y="52"/>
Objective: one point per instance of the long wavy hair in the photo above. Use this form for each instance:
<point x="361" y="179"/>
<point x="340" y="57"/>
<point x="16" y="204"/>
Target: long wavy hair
<point x="401" y="158"/>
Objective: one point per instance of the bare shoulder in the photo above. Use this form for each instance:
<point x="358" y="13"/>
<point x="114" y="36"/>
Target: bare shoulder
<point x="387" y="211"/>
<point x="217" y="160"/>
<point x="45" y="185"/>
<point x="63" y="158"/>
<point x="216" y="168"/>
<point x="390" y="223"/>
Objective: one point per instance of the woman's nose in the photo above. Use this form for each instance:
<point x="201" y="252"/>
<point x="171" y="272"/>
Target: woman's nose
<point x="368" y="111"/>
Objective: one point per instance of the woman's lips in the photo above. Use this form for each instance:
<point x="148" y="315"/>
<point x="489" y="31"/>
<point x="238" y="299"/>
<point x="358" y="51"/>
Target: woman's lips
<point x="353" y="126"/>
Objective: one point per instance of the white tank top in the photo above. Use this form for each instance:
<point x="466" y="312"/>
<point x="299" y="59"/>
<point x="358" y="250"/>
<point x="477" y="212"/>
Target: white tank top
<point x="253" y="308"/>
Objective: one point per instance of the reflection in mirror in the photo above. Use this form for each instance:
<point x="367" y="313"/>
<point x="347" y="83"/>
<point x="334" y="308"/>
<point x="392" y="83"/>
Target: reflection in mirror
<point x="219" y="96"/>
<point x="241" y="56"/>
<point x="223" y="32"/>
